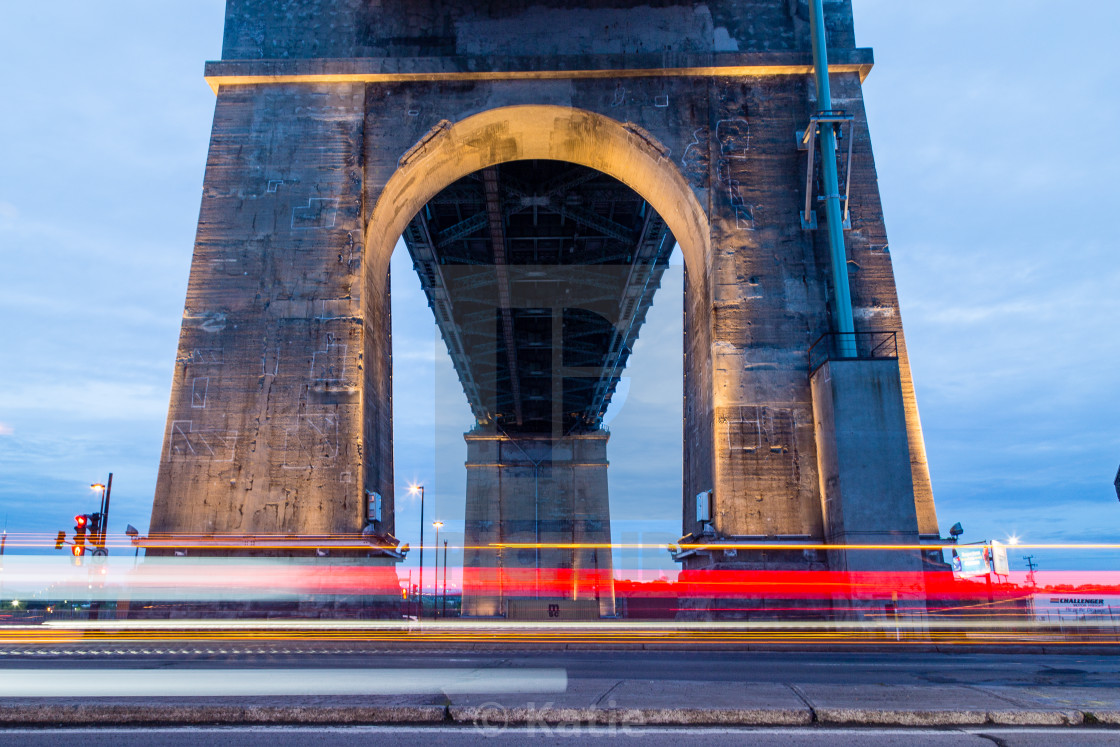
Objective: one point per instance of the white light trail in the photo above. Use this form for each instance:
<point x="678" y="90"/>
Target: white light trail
<point x="135" y="683"/>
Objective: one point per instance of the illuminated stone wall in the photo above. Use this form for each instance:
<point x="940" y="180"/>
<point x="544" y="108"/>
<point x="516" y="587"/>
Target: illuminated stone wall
<point x="266" y="400"/>
<point x="315" y="29"/>
<point x="336" y="120"/>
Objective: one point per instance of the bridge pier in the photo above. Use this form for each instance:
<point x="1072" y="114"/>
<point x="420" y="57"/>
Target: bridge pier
<point x="537" y="524"/>
<point x="867" y="492"/>
<point x="537" y="175"/>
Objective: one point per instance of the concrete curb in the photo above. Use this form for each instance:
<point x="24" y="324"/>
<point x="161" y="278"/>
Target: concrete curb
<point x="1037" y="718"/>
<point x="726" y="717"/>
<point x="887" y="717"/>
<point x="1109" y="718"/>
<point x="495" y="716"/>
<point x="124" y="715"/>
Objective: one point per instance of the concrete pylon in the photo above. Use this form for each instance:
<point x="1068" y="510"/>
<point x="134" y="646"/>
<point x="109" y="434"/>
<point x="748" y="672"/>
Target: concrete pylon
<point x="336" y="121"/>
<point x="537" y="526"/>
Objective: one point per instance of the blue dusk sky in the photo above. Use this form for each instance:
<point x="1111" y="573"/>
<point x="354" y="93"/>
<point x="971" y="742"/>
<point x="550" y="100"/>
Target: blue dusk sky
<point x="990" y="123"/>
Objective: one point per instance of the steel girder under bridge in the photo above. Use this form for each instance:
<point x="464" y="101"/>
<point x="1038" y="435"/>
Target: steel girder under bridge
<point x="540" y="274"/>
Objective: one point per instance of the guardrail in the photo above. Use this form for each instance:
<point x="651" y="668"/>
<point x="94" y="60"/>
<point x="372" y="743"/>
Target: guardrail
<point x="838" y="346"/>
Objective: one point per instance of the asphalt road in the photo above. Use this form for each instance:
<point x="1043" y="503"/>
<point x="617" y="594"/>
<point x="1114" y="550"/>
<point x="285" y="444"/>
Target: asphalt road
<point x="452" y="696"/>
<point x="813" y="667"/>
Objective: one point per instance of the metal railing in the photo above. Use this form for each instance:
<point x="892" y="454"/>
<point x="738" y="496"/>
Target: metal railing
<point x="839" y="346"/>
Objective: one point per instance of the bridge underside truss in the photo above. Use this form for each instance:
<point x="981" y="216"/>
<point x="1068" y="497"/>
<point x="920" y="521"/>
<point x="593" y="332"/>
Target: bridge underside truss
<point x="540" y="274"/>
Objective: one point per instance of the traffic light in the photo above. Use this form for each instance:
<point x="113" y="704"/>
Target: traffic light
<point x="81" y="521"/>
<point x="95" y="535"/>
<point x="60" y="540"/>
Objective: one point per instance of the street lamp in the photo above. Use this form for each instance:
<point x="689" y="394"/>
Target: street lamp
<point x="413" y="490"/>
<point x="435" y="580"/>
<point x="106" y="494"/>
<point x="134" y="537"/>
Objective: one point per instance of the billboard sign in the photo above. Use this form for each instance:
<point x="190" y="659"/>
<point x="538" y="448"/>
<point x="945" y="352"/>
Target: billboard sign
<point x="970" y="560"/>
<point x="1072" y="606"/>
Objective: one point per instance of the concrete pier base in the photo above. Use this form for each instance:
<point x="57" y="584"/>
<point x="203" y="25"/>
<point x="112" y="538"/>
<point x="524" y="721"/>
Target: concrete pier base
<point x="867" y="492"/>
<point x="537" y="524"/>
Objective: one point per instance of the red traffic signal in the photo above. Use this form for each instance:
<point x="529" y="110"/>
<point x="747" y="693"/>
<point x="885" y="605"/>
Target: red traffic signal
<point x="80" y="522"/>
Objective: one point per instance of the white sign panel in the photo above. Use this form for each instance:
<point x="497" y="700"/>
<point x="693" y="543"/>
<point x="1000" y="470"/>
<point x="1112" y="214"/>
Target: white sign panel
<point x="1000" y="566"/>
<point x="1072" y="606"/>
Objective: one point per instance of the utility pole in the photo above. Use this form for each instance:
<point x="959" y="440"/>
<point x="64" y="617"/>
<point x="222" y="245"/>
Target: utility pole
<point x="419" y="490"/>
<point x="435" y="579"/>
<point x="1031" y="565"/>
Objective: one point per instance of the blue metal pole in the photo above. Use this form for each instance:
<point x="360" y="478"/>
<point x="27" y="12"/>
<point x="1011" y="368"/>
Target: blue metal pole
<point x="842" y="301"/>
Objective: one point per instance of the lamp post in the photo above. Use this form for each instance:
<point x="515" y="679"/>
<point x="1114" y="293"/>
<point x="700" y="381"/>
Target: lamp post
<point x="106" y="494"/>
<point x="134" y="537"/>
<point x="444" y="612"/>
<point x="435" y="578"/>
<point x="413" y="490"/>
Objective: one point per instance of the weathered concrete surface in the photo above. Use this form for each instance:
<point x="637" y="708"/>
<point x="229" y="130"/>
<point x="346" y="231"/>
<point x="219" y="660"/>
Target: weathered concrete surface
<point x="867" y="491"/>
<point x="281" y="414"/>
<point x="612" y="701"/>
<point x="267" y="388"/>
<point x="1104" y="703"/>
<point x="925" y="705"/>
<point x="679" y="702"/>
<point x="535" y="490"/>
<point x="592" y="701"/>
<point x="271" y="29"/>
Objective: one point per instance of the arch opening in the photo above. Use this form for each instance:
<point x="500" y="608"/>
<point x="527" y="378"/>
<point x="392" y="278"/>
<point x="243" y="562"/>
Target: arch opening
<point x="547" y="133"/>
<point x="450" y="229"/>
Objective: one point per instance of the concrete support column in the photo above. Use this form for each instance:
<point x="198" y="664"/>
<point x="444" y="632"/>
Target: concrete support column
<point x="264" y="426"/>
<point x="867" y="492"/>
<point x="529" y="499"/>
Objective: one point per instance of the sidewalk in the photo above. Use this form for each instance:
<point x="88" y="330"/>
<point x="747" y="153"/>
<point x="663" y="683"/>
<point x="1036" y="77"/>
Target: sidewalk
<point x="617" y="702"/>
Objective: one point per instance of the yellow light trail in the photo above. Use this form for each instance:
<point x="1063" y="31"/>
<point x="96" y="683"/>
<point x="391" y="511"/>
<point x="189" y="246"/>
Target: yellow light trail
<point x="355" y="542"/>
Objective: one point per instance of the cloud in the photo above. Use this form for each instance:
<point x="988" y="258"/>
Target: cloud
<point x="82" y="401"/>
<point x="6" y="430"/>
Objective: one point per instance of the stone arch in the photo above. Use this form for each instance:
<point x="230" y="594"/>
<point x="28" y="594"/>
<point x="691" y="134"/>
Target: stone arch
<point x="450" y="152"/>
<point x="624" y="151"/>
